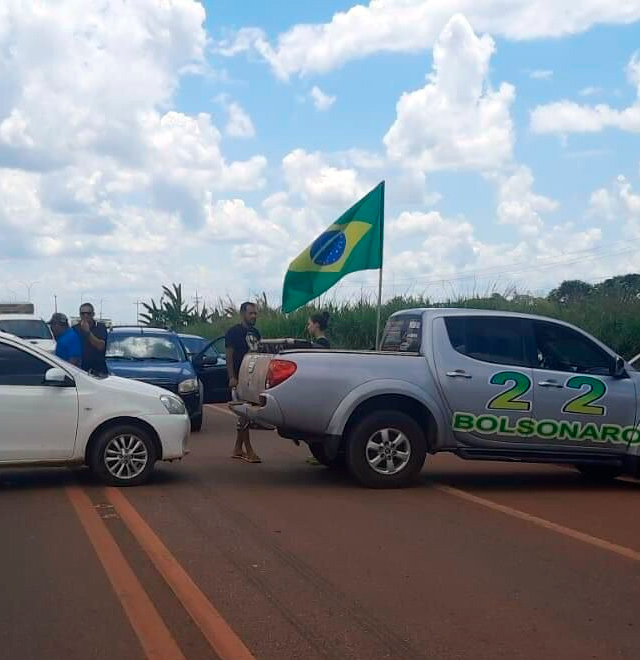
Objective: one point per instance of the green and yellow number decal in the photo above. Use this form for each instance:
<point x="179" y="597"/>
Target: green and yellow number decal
<point x="584" y="403"/>
<point x="510" y="399"/>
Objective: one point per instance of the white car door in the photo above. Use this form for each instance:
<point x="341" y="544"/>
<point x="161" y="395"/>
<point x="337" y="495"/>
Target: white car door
<point x="38" y="422"/>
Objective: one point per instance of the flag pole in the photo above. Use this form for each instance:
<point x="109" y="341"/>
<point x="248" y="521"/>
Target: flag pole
<point x="380" y="276"/>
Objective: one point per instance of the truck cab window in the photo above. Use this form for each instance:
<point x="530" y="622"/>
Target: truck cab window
<point x="495" y="339"/>
<point x="402" y="334"/>
<point x="561" y="349"/>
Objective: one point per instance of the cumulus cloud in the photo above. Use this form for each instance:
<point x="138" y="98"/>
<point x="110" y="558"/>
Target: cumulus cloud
<point x="518" y="205"/>
<point x="318" y="182"/>
<point x="321" y="101"/>
<point x="239" y="124"/>
<point x="456" y="121"/>
<point x="414" y="25"/>
<point x="571" y="117"/>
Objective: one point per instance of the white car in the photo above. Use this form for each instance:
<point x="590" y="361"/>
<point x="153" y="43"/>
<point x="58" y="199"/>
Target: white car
<point x="53" y="414"/>
<point x="30" y="328"/>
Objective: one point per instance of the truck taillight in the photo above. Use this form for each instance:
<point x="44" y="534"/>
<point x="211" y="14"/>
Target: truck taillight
<point x="279" y="371"/>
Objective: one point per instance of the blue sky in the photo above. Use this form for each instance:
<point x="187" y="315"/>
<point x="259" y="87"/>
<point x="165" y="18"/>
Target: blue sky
<point x="213" y="149"/>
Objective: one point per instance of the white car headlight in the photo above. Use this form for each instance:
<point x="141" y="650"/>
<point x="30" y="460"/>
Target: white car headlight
<point x="173" y="405"/>
<point x="187" y="386"/>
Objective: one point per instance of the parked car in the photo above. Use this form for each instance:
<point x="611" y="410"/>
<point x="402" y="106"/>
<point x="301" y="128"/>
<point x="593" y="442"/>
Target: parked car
<point x="480" y="384"/>
<point x="55" y="414"/>
<point x="158" y="357"/>
<point x="20" y="320"/>
<point x="211" y="366"/>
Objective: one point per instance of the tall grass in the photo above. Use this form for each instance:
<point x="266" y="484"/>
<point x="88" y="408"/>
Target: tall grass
<point x="615" y="320"/>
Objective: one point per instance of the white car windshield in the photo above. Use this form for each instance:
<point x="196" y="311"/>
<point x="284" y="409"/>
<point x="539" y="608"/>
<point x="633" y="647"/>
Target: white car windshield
<point x="26" y="328"/>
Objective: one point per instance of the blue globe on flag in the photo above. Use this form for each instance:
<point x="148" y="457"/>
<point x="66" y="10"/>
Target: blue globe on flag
<point x="328" y="248"/>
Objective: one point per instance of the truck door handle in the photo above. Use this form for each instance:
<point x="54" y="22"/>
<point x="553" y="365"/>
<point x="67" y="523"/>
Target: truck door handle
<point x="458" y="373"/>
<point x="550" y="383"/>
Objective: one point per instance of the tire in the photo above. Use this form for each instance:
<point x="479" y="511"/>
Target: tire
<point x="127" y="437"/>
<point x="595" y="472"/>
<point x="361" y="452"/>
<point x="196" y="422"/>
<point x="317" y="450"/>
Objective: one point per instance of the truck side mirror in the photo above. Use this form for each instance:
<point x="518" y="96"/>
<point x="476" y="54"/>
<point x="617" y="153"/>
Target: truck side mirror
<point x="618" y="370"/>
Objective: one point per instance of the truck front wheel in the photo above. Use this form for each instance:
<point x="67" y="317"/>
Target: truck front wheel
<point x="386" y="449"/>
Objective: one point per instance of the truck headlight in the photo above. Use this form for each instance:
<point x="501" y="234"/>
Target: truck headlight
<point x="173" y="405"/>
<point x="188" y="386"/>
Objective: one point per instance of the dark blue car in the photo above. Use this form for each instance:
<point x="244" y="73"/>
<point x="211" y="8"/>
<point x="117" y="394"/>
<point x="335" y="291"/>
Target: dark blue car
<point x="158" y="357"/>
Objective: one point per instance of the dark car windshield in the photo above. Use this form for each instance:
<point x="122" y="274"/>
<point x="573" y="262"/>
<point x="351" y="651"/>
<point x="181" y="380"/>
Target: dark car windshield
<point x="403" y="334"/>
<point x="194" y="344"/>
<point x="144" y="347"/>
<point x="26" y="328"/>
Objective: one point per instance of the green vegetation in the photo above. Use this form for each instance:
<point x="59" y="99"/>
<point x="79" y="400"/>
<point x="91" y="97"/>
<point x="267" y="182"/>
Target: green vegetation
<point x="610" y="311"/>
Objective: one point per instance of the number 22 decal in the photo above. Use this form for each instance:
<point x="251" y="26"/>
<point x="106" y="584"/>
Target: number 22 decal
<point x="583" y="404"/>
<point x="510" y="399"/>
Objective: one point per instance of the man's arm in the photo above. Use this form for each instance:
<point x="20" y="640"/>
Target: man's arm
<point x="98" y="343"/>
<point x="233" y="381"/>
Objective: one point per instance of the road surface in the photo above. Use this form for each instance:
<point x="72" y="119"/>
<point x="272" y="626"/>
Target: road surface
<point x="218" y="558"/>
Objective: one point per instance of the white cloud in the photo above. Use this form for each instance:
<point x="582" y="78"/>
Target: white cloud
<point x="590" y="91"/>
<point x="413" y="26"/>
<point x="602" y="204"/>
<point x="239" y="124"/>
<point x="541" y="74"/>
<point x="321" y="101"/>
<point x="570" y="117"/>
<point x="518" y="205"/>
<point x="319" y="182"/>
<point x="456" y="121"/>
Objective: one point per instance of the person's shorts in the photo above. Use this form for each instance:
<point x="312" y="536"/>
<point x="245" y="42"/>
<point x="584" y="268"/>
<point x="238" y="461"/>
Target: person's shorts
<point x="242" y="424"/>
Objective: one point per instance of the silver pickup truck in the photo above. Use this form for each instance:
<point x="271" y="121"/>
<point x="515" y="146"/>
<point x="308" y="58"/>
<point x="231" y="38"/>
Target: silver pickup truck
<point x="481" y="384"/>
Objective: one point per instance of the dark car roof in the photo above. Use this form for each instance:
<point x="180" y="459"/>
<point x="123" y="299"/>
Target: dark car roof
<point x="139" y="330"/>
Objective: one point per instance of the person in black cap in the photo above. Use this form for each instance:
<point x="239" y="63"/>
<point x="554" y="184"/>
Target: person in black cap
<point x="68" y="346"/>
<point x="94" y="341"/>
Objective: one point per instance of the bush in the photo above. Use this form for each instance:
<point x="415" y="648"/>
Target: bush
<point x="614" y="319"/>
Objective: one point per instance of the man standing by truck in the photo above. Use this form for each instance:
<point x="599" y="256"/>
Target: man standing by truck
<point x="239" y="340"/>
<point x="94" y="341"/>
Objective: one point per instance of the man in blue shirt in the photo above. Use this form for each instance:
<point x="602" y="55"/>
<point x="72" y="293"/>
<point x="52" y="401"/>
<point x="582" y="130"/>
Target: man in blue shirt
<point x="68" y="344"/>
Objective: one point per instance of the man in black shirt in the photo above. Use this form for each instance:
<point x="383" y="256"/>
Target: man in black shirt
<point x="239" y="340"/>
<point x="94" y="341"/>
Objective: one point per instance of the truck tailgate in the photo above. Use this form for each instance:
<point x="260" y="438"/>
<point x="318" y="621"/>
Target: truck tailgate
<point x="253" y="376"/>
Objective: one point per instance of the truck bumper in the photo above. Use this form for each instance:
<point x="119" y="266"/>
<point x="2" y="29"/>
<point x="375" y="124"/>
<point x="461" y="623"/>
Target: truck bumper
<point x="268" y="414"/>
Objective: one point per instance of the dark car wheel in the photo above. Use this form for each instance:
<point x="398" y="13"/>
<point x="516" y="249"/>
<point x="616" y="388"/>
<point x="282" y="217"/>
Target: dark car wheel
<point x="317" y="450"/>
<point x="386" y="449"/>
<point x="123" y="455"/>
<point x="595" y="472"/>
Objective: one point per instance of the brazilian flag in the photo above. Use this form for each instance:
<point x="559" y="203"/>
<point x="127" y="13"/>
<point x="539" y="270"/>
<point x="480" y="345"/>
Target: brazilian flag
<point x="351" y="243"/>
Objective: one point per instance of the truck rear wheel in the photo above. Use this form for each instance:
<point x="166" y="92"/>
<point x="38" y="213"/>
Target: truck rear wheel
<point x="386" y="449"/>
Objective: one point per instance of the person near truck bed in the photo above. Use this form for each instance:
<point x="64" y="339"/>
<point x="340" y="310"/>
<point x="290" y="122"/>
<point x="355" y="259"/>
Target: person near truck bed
<point x="317" y="326"/>
<point x="239" y="340"/>
<point x="94" y="341"/>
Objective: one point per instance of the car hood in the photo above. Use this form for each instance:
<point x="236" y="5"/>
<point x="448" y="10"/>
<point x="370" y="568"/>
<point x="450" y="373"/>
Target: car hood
<point x="152" y="372"/>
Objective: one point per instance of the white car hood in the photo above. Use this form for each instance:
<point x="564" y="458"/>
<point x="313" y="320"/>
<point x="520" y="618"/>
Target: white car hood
<point x="132" y="386"/>
<point x="48" y="345"/>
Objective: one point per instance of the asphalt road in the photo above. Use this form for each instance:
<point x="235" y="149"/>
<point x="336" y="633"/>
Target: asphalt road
<point x="218" y="558"/>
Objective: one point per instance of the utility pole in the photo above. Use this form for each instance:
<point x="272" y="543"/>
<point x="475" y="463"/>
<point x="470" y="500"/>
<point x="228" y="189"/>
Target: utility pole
<point x="137" y="304"/>
<point x="55" y="303"/>
<point x="28" y="286"/>
<point x="197" y="301"/>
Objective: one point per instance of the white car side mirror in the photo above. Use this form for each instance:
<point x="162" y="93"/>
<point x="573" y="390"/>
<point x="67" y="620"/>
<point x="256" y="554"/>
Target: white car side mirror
<point x="56" y="377"/>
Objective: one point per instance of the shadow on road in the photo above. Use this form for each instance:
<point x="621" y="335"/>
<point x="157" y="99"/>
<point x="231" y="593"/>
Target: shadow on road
<point x="566" y="481"/>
